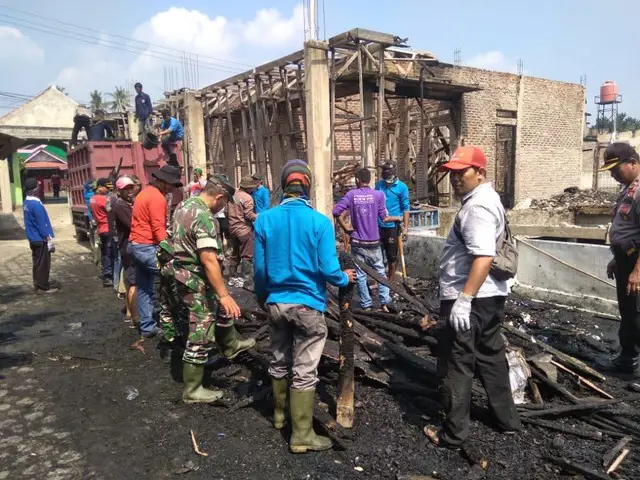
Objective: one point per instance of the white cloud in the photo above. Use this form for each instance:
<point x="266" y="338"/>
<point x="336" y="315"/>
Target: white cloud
<point x="217" y="41"/>
<point x="493" y="60"/>
<point x="16" y="46"/>
<point x="269" y="28"/>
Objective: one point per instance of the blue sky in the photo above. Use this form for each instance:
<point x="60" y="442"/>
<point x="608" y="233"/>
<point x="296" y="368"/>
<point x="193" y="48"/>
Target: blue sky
<point x="561" y="39"/>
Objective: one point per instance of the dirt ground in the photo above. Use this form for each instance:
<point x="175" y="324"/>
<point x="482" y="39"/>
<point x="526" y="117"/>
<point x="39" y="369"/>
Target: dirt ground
<point x="67" y="364"/>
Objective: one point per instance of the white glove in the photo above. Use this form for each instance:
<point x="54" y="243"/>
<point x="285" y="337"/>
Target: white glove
<point x="460" y="317"/>
<point x="51" y="246"/>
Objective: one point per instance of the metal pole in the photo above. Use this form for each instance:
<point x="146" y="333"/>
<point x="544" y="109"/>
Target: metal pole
<point x="312" y="20"/>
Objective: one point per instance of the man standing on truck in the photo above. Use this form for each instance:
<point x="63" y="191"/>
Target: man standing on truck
<point x="171" y="132"/>
<point x="144" y="109"/>
<point x="100" y="216"/>
<point x="148" y="229"/>
<point x="99" y="129"/>
<point x="397" y="195"/>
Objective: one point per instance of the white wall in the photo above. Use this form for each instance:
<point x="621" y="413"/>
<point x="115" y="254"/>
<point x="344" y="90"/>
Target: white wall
<point x="545" y="271"/>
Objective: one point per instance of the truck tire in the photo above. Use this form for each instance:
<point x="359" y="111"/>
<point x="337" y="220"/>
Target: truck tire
<point x="81" y="235"/>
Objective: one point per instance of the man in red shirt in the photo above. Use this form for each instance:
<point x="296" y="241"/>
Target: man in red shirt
<point x="148" y="229"/>
<point x="99" y="211"/>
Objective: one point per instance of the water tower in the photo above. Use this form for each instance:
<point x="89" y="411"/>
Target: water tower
<point x="607" y="103"/>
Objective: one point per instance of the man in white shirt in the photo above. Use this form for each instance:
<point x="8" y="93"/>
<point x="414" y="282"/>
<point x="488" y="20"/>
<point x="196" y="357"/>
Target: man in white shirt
<point x="472" y="303"/>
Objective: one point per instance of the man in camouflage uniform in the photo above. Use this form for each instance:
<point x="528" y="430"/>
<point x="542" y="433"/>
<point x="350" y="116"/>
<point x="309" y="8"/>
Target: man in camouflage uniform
<point x="190" y="263"/>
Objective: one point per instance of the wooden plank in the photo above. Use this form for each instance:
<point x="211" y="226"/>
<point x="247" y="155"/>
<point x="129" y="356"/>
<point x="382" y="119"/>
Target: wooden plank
<point x="361" y="97"/>
<point x="347" y="64"/>
<point x="346" y="387"/>
<point x="234" y="151"/>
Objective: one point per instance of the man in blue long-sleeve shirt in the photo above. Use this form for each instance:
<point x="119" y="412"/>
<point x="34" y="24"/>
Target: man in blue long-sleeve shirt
<point x="295" y="256"/>
<point x="144" y="108"/>
<point x="397" y="194"/>
<point x="40" y="235"/>
<point x="261" y="195"/>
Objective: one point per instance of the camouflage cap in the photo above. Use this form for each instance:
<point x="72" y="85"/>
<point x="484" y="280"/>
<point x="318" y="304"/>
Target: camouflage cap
<point x="223" y="182"/>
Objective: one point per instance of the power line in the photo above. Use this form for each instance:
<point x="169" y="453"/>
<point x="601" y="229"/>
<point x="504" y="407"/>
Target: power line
<point x="116" y="45"/>
<point x="81" y="27"/>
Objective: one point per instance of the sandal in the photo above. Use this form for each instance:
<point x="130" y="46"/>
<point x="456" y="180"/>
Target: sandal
<point x="434" y="436"/>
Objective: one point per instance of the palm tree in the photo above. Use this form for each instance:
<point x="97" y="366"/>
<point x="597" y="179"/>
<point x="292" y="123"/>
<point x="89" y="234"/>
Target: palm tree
<point x="97" y="101"/>
<point x="121" y="100"/>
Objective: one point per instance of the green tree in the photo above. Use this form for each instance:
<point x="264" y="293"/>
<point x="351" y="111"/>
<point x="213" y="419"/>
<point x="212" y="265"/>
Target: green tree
<point x="624" y="123"/>
<point x="121" y="100"/>
<point x="62" y="89"/>
<point x="97" y="102"/>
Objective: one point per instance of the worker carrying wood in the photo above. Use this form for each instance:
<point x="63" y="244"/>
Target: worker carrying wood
<point x="623" y="162"/>
<point x="190" y="260"/>
<point x="366" y="207"/>
<point x="472" y="298"/>
<point x="298" y="246"/>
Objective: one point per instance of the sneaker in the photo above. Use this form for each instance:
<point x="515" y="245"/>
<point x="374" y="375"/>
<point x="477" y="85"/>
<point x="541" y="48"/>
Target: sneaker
<point x="107" y="283"/>
<point x="367" y="309"/>
<point x="152" y="333"/>
<point x="51" y="290"/>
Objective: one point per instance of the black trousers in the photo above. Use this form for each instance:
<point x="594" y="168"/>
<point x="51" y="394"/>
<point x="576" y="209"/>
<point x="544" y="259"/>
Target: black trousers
<point x="628" y="305"/>
<point x="56" y="191"/>
<point x="41" y="258"/>
<point x="461" y="356"/>
<point x="106" y="255"/>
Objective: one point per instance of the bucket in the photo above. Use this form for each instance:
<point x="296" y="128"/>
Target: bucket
<point x="150" y="141"/>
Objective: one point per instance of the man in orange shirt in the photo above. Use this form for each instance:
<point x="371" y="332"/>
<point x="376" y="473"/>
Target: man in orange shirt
<point x="148" y="229"/>
<point x="99" y="211"/>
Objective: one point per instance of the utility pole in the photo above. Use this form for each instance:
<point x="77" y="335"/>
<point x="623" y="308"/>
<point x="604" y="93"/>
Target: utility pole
<point x="316" y="89"/>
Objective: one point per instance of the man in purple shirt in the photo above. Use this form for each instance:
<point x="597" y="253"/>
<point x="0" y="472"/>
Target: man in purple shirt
<point x="365" y="206"/>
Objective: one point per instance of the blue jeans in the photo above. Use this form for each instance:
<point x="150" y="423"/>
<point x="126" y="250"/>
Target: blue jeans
<point x="117" y="265"/>
<point x="145" y="260"/>
<point x="373" y="258"/>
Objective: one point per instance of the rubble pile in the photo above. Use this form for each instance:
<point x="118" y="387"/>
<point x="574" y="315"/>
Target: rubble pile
<point x="574" y="415"/>
<point x="573" y="198"/>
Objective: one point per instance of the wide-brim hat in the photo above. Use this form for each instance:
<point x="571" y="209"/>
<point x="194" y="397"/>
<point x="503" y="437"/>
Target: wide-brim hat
<point x="169" y="174"/>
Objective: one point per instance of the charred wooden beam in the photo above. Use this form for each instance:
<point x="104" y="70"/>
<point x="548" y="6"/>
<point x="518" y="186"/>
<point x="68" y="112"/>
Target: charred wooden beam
<point x="423" y="307"/>
<point x="556" y="427"/>
<point x="611" y="454"/>
<point x="575" y="363"/>
<point x="577" y="468"/>
<point x="580" y="408"/>
<point x="346" y="388"/>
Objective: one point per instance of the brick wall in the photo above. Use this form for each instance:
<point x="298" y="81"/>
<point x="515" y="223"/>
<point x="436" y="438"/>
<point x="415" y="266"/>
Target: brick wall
<point x="550" y="121"/>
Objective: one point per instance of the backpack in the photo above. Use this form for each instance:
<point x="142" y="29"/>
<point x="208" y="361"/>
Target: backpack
<point x="505" y="263"/>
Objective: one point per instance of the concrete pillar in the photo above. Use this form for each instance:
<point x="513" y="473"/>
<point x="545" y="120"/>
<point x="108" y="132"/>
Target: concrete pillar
<point x="5" y="187"/>
<point x="16" y="180"/>
<point x="369" y="132"/>
<point x="194" y="133"/>
<point x="316" y="87"/>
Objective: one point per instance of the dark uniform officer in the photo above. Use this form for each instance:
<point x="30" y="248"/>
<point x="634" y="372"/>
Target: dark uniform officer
<point x="622" y="160"/>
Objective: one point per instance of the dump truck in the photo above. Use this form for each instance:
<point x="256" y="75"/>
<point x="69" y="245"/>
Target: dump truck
<point x="95" y="160"/>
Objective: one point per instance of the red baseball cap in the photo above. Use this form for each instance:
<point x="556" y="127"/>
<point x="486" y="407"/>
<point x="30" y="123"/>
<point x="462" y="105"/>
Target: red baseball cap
<point x="465" y="157"/>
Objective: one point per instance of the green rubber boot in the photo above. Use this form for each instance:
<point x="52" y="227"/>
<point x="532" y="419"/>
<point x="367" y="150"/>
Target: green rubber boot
<point x="280" y="388"/>
<point x="303" y="438"/>
<point x="227" y="339"/>
<point x="193" y="391"/>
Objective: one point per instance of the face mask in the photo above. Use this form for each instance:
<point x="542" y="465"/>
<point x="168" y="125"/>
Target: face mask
<point x="390" y="180"/>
